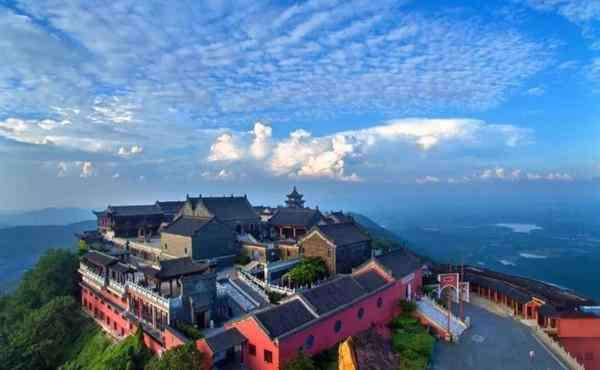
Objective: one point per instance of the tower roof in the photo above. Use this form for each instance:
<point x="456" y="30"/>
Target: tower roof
<point x="294" y="194"/>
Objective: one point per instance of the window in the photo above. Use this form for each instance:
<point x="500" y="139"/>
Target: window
<point x="252" y="349"/>
<point x="589" y="356"/>
<point x="166" y="247"/>
<point x="309" y="342"/>
<point x="338" y="326"/>
<point x="379" y="302"/>
<point x="185" y="251"/>
<point x="361" y="313"/>
<point x="268" y="356"/>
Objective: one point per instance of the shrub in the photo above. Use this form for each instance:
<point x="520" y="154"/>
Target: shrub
<point x="243" y="260"/>
<point x="275" y="297"/>
<point x="188" y="330"/>
<point x="308" y="271"/>
<point x="300" y="362"/>
<point x="408" y="307"/>
<point x="185" y="357"/>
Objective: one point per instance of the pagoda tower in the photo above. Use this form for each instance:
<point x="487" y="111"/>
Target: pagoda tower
<point x="294" y="199"/>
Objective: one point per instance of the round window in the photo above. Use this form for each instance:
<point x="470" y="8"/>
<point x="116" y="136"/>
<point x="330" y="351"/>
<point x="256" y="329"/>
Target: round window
<point x="309" y="342"/>
<point x="361" y="313"/>
<point x="338" y="326"/>
<point x="379" y="302"/>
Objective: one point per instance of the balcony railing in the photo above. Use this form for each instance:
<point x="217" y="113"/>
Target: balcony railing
<point x="150" y="295"/>
<point x="92" y="277"/>
<point x="116" y="287"/>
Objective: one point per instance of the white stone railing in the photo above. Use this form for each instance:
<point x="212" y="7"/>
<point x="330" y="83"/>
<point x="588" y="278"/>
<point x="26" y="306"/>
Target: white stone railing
<point x="558" y="350"/>
<point x="116" y="287"/>
<point x="252" y="280"/>
<point x="90" y="276"/>
<point x="438" y="315"/>
<point x="150" y="295"/>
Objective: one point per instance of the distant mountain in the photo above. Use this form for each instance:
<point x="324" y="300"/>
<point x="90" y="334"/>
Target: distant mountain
<point x="47" y="216"/>
<point x="20" y="246"/>
<point x="374" y="228"/>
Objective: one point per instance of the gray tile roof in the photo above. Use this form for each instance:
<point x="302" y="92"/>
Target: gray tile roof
<point x="328" y="297"/>
<point x="136" y="210"/>
<point x="284" y="318"/>
<point x="224" y="340"/>
<point x="344" y="234"/>
<point x="170" y="207"/>
<point x="333" y="294"/>
<point x="99" y="259"/>
<point x="304" y="217"/>
<point x="228" y="208"/>
<point x="399" y="263"/>
<point x="179" y="267"/>
<point x="187" y="226"/>
<point x="370" y="280"/>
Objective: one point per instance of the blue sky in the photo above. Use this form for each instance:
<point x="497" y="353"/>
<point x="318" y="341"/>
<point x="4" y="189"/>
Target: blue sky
<point x="131" y="101"/>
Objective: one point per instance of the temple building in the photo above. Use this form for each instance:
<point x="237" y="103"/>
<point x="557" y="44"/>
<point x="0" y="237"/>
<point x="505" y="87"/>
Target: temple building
<point x="342" y="246"/>
<point x="199" y="238"/>
<point x="294" y="199"/>
<point x="136" y="221"/>
<point x="319" y="318"/>
<point x="121" y="295"/>
<point x="293" y="223"/>
<point x="235" y="211"/>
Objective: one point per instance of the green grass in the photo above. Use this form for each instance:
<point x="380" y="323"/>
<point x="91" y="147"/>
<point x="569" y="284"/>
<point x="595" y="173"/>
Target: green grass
<point x="89" y="347"/>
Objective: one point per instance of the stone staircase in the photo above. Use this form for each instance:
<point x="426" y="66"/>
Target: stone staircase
<point x="438" y="317"/>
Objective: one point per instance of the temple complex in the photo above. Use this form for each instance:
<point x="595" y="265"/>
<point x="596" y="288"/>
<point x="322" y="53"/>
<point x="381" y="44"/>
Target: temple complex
<point x="222" y="266"/>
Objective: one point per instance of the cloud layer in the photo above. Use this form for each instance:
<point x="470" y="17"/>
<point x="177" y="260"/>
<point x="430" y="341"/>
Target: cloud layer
<point x="304" y="155"/>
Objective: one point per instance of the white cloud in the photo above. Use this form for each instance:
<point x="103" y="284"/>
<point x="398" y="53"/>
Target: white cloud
<point x="536" y="91"/>
<point x="87" y="170"/>
<point x="63" y="168"/>
<point x="134" y="150"/>
<point x="427" y="179"/>
<point x="219" y="175"/>
<point x="261" y="143"/>
<point x="330" y="156"/>
<point x="225" y="149"/>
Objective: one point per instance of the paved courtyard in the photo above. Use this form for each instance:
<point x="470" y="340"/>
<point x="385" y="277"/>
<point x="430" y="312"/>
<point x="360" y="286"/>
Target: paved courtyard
<point x="493" y="343"/>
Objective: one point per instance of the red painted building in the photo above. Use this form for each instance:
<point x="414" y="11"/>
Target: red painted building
<point x="319" y="318"/>
<point x="120" y="297"/>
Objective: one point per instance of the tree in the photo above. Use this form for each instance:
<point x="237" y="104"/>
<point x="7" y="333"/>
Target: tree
<point x="39" y="341"/>
<point x="54" y="275"/>
<point x="308" y="271"/>
<point x="184" y="357"/>
<point x="300" y="362"/>
<point x="82" y="248"/>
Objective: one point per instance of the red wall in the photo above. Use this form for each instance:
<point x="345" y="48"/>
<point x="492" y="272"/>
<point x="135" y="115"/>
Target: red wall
<point x="112" y="320"/>
<point x="323" y="330"/>
<point x="256" y="336"/>
<point x="204" y="348"/>
<point x="581" y="338"/>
